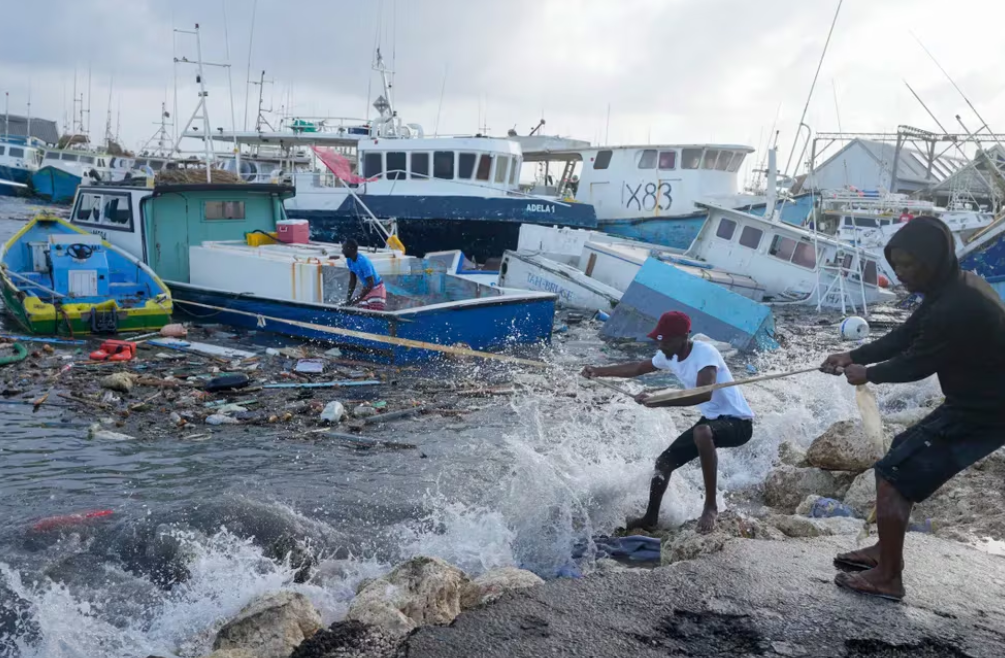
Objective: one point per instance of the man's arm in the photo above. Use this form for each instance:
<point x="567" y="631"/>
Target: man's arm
<point x="352" y="287"/>
<point x="636" y="369"/>
<point x="706" y="377"/>
<point x="929" y="351"/>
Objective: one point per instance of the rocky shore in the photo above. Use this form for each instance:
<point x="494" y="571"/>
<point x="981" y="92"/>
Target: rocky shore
<point x="760" y="585"/>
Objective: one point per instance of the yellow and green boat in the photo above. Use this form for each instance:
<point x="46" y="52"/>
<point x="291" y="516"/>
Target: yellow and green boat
<point x="60" y="280"/>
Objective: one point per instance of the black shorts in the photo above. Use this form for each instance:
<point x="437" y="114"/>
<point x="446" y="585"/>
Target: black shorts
<point x="928" y="455"/>
<point x="727" y="432"/>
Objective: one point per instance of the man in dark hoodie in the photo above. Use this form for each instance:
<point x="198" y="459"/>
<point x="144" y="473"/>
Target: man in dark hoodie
<point x="958" y="332"/>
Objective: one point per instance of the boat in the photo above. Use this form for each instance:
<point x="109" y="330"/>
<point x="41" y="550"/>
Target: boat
<point x="794" y="265"/>
<point x="215" y="246"/>
<point x="59" y="279"/>
<point x="646" y="192"/>
<point x="19" y="159"/>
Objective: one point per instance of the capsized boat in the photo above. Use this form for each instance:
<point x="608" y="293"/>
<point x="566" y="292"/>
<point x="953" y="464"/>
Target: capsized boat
<point x="58" y="279"/>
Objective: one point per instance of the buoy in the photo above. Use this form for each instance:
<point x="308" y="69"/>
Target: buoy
<point x="883" y="281"/>
<point x="854" y="328"/>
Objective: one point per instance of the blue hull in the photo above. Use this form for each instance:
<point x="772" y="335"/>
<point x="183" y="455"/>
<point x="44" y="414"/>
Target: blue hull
<point x="715" y="311"/>
<point x="486" y="326"/>
<point x="482" y="228"/>
<point x="988" y="261"/>
<point x="55" y="185"/>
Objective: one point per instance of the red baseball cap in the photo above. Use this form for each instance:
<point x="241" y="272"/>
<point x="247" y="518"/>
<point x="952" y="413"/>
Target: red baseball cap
<point x="671" y="323"/>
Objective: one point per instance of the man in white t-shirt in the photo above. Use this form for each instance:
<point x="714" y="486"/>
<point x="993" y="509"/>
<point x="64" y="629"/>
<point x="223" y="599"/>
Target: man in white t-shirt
<point x="726" y="420"/>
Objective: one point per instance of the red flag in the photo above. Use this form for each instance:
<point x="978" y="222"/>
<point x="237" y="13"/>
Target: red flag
<point x="340" y="166"/>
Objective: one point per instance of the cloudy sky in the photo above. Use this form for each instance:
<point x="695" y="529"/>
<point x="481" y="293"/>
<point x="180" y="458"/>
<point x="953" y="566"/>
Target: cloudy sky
<point x="670" y="70"/>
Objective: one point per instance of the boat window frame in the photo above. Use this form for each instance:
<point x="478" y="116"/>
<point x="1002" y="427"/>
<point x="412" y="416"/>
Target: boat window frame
<point x="502" y="167"/>
<point x="15" y="152"/>
<point x="439" y="159"/>
<point x="466" y="162"/>
<point x="69" y="157"/>
<point x="672" y="153"/>
<point x="736" y="162"/>
<point x="773" y="249"/>
<point x="373" y="157"/>
<point x="603" y="159"/>
<point x="725" y="157"/>
<point x="225" y="206"/>
<point x="800" y="251"/>
<point x="644" y="161"/>
<point x="864" y="269"/>
<point x="514" y="170"/>
<point x="3" y="149"/>
<point x="687" y="153"/>
<point x="484" y="174"/>
<point x="395" y="173"/>
<point x="732" y="229"/>
<point x="413" y="174"/>
<point x="52" y="155"/>
<point x="752" y="230"/>
<point x="706" y="155"/>
<point x="101" y="224"/>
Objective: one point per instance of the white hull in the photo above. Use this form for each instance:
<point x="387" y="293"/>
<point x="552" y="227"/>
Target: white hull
<point x="574" y="288"/>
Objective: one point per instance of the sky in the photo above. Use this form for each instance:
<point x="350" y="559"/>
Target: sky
<point x="617" y="72"/>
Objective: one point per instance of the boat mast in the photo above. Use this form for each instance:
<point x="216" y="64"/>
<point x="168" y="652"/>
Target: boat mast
<point x="201" y="111"/>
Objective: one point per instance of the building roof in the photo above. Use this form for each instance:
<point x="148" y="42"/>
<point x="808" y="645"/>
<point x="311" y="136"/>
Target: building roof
<point x="42" y="129"/>
<point x="911" y="168"/>
<point x="974" y="178"/>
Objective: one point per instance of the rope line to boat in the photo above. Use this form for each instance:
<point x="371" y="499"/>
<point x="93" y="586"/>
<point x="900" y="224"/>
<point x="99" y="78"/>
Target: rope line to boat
<point x="376" y="338"/>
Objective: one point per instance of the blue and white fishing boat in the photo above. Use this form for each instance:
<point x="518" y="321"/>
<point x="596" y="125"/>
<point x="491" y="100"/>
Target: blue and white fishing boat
<point x="19" y="159"/>
<point x="215" y="247"/>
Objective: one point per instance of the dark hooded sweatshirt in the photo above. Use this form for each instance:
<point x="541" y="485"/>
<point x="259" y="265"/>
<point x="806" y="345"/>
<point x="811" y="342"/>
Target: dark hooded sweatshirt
<point x="958" y="332"/>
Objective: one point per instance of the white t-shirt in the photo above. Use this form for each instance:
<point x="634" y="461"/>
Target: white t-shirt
<point x="724" y="402"/>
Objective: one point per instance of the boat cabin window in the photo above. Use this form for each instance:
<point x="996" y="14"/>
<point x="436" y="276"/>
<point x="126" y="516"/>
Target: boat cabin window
<point x="156" y="165"/>
<point x="869" y="272"/>
<point x="751" y="237"/>
<point x="101" y="162"/>
<point x="52" y="155"/>
<point x="420" y="166"/>
<point x="69" y="157"/>
<point x="117" y="210"/>
<point x="806" y="255"/>
<point x="691" y="158"/>
<point x="443" y="165"/>
<point x="668" y="160"/>
<point x="734" y="164"/>
<point x="513" y="171"/>
<point x="502" y="163"/>
<point x="724" y="159"/>
<point x="726" y="229"/>
<point x="223" y="209"/>
<point x="396" y="165"/>
<point x="2" y="149"/>
<point x="373" y="165"/>
<point x="86" y="159"/>
<point x="603" y="159"/>
<point x="848" y="221"/>
<point x="88" y="207"/>
<point x="484" y="167"/>
<point x="16" y="152"/>
<point x="782" y="248"/>
<point x="648" y="159"/>
<point x="466" y="165"/>
<point x="106" y="211"/>
<point x="710" y="157"/>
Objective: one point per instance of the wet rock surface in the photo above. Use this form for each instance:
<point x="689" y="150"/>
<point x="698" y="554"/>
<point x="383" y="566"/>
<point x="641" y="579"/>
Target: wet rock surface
<point x="787" y="486"/>
<point x="271" y="627"/>
<point x="753" y="598"/>
<point x="844" y="447"/>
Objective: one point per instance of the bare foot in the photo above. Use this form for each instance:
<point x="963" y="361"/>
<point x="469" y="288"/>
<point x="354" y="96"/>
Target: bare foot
<point x="641" y="523"/>
<point x="872" y="583"/>
<point x="706" y="523"/>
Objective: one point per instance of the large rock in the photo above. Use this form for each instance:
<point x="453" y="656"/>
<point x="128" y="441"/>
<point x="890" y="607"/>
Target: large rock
<point x="686" y="543"/>
<point x="861" y="495"/>
<point x="844" y="447"/>
<point x="794" y="525"/>
<point x="490" y="585"/>
<point x="271" y="627"/>
<point x="349" y="638"/>
<point x="421" y="591"/>
<point x="787" y="486"/>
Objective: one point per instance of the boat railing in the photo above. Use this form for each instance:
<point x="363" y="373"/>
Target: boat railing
<point x="504" y="188"/>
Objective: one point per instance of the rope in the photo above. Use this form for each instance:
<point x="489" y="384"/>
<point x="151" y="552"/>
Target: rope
<point x="376" y="338"/>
